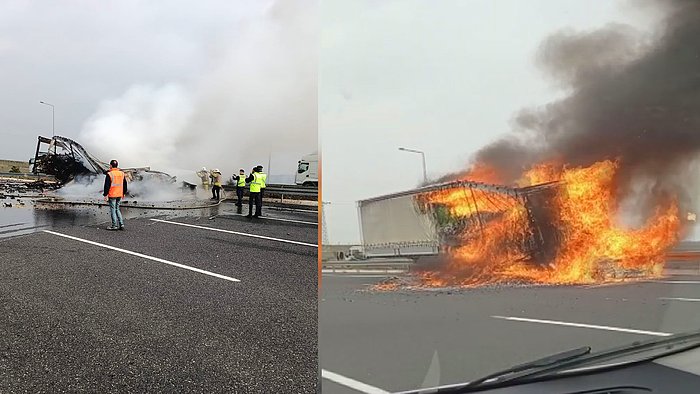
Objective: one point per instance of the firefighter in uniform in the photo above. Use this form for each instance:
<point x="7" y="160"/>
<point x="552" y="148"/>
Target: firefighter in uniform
<point x="114" y="191"/>
<point x="239" y="181"/>
<point x="255" y="181"/>
<point x="203" y="174"/>
<point x="216" y="181"/>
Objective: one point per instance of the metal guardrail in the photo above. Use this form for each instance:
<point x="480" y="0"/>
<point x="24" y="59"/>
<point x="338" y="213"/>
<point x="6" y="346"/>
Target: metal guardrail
<point x="369" y="266"/>
<point x="17" y="174"/>
<point x="284" y="190"/>
<point x="26" y="175"/>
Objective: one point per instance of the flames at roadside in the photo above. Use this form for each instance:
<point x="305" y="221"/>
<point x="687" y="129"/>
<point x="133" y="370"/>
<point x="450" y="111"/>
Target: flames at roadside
<point x="592" y="246"/>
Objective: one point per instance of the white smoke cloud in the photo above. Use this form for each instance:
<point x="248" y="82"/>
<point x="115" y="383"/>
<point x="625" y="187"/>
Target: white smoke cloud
<point x="140" y="127"/>
<point x="150" y="189"/>
<point x="259" y="98"/>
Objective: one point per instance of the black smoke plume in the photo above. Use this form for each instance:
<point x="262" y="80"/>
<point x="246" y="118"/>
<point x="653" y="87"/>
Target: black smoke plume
<point x="630" y="98"/>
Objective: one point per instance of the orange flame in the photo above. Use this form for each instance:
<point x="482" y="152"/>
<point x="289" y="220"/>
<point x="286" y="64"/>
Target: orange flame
<point x="593" y="247"/>
<point x="482" y="172"/>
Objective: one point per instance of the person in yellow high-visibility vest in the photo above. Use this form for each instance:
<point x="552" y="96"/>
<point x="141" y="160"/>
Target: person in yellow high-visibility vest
<point x="263" y="184"/>
<point x="255" y="197"/>
<point x="239" y="181"/>
<point x="114" y="191"/>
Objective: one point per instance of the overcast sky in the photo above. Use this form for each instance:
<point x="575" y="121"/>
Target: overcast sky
<point x="445" y="77"/>
<point x="128" y="75"/>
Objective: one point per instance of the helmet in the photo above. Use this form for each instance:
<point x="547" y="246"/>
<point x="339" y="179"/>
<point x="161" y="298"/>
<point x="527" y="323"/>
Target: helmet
<point x="204" y="169"/>
<point x="216" y="171"/>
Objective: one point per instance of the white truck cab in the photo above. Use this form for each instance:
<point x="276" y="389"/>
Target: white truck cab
<point x="307" y="171"/>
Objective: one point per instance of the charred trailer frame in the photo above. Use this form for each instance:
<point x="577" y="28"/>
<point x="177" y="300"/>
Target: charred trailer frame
<point x="546" y="236"/>
<point x="65" y="159"/>
<point x="539" y="242"/>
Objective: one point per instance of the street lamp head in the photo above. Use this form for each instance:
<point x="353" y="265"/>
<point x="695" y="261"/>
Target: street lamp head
<point x="425" y="175"/>
<point x="53" y="119"/>
<point x="411" y="150"/>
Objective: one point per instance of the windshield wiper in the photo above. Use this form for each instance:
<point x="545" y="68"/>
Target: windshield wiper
<point x="530" y="366"/>
<point x="564" y="361"/>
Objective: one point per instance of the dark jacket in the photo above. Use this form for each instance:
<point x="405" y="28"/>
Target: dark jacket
<point x="108" y="183"/>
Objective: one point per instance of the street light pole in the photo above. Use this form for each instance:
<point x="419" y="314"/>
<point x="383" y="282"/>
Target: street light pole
<point x="425" y="173"/>
<point x="53" y="118"/>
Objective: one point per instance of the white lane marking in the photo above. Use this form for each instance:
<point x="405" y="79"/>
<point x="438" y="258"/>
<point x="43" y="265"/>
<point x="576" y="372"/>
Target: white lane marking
<point x="279" y="219"/>
<point x="352" y="383"/>
<point x="677" y="282"/>
<point x="187" y="267"/>
<point x="680" y="299"/>
<point x="13" y="224"/>
<point x="237" y="233"/>
<point x="279" y="209"/>
<point x="605" y="285"/>
<point x="671" y="272"/>
<point x="353" y="276"/>
<point x="581" y="325"/>
<point x="356" y="271"/>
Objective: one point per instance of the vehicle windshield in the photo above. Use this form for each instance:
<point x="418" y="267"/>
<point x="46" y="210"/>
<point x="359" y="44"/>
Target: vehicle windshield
<point x="503" y="182"/>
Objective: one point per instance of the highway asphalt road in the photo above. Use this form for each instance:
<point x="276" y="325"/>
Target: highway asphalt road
<point x="226" y="304"/>
<point x="376" y="342"/>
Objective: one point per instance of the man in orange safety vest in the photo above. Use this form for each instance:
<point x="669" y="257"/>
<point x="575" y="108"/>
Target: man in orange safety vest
<point x="114" y="191"/>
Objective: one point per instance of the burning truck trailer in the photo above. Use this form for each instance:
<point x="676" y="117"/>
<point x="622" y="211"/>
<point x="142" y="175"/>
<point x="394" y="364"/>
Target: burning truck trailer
<point x="72" y="165"/>
<point x="411" y="224"/>
<point x="487" y="203"/>
<point x="560" y="231"/>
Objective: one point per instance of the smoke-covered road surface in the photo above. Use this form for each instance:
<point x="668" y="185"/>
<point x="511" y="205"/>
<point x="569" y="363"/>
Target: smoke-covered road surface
<point x="79" y="316"/>
<point x="398" y="340"/>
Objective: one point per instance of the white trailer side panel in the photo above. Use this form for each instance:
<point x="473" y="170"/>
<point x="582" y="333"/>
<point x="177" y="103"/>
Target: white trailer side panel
<point x="394" y="223"/>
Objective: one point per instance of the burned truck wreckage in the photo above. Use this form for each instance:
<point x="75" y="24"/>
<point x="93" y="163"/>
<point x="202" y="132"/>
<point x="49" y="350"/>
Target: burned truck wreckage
<point x="67" y="161"/>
